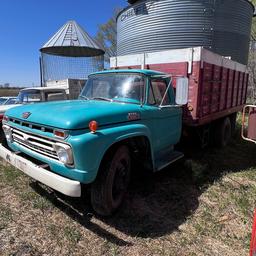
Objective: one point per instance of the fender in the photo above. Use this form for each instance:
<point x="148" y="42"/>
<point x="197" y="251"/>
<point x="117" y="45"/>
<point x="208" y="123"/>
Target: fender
<point x="90" y="148"/>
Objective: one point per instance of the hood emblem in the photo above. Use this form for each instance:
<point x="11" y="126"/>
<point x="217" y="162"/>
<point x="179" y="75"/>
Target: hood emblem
<point x="25" y="115"/>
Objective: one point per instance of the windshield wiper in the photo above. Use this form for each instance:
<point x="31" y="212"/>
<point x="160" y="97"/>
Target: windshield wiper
<point x="101" y="98"/>
<point x="83" y="97"/>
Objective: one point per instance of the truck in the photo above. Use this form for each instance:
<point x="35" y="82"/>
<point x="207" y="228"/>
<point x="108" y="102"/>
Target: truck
<point x="32" y="95"/>
<point x="131" y="115"/>
<point x="55" y="90"/>
<point x="73" y="87"/>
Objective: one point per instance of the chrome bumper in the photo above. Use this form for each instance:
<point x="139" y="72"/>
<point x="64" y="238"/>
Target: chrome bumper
<point x="63" y="185"/>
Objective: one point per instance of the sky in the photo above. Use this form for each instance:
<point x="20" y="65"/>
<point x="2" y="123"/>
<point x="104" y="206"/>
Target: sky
<point x="27" y="24"/>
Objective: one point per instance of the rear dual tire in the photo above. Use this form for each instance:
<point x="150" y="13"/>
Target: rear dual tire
<point x="223" y="132"/>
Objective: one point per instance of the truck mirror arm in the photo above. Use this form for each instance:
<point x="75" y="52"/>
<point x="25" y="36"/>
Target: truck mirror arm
<point x="167" y="89"/>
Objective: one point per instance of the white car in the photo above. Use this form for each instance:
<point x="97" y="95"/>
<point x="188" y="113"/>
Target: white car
<point x="7" y="100"/>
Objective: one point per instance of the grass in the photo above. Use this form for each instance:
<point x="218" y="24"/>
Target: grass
<point x="201" y="207"/>
<point x="9" y="91"/>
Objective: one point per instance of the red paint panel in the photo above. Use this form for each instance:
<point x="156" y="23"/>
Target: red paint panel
<point x="240" y="90"/>
<point x="230" y="88"/>
<point x="252" y="124"/>
<point x="215" y="94"/>
<point x="235" y="89"/>
<point x="253" y="237"/>
<point x="176" y="69"/>
<point x="223" y="89"/>
<point x="206" y="89"/>
<point x="246" y="80"/>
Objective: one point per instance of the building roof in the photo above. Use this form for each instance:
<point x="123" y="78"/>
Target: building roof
<point x="71" y="40"/>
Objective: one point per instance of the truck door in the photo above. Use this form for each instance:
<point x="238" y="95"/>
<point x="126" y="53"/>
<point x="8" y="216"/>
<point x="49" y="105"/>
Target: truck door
<point x="249" y="123"/>
<point x="167" y="119"/>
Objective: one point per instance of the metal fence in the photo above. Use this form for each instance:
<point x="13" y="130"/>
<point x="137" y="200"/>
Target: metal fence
<point x="55" y="67"/>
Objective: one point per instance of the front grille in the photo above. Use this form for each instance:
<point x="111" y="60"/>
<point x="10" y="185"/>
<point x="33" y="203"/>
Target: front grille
<point x="31" y="125"/>
<point x="35" y="143"/>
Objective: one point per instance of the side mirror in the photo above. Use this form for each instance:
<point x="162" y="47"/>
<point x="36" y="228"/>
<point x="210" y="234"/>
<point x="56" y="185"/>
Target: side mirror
<point x="181" y="91"/>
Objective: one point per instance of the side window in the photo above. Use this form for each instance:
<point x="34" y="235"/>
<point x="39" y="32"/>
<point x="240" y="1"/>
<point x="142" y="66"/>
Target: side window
<point x="157" y="91"/>
<point x="54" y="96"/>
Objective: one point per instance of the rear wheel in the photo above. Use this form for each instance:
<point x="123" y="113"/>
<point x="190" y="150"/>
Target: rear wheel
<point x="108" y="190"/>
<point x="223" y="132"/>
<point x="233" y="123"/>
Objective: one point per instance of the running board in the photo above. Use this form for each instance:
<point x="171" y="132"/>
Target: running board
<point x="168" y="159"/>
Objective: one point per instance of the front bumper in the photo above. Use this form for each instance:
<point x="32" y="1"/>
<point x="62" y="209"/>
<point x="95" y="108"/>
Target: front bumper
<point x="63" y="185"/>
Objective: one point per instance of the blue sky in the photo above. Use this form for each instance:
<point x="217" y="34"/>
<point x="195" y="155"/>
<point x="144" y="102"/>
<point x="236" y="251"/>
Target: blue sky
<point x="27" y="24"/>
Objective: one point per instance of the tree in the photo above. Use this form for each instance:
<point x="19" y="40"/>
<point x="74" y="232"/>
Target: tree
<point x="252" y="63"/>
<point x="107" y="36"/>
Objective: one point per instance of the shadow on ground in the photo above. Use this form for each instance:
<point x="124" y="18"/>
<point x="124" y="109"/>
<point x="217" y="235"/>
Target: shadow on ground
<point x="157" y="204"/>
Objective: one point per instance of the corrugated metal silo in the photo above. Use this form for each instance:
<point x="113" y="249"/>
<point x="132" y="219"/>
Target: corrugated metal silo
<point x="154" y="25"/>
<point x="70" y="54"/>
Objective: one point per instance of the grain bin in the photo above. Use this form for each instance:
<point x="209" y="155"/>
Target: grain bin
<point x="223" y="26"/>
<point x="70" y="54"/>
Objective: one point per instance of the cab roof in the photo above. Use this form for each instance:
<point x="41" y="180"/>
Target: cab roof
<point x="146" y="72"/>
<point x="50" y="88"/>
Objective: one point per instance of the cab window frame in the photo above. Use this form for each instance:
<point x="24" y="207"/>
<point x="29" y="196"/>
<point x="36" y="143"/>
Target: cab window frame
<point x="169" y="93"/>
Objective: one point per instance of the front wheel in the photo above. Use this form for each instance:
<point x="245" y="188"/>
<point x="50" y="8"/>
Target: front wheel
<point x="110" y="186"/>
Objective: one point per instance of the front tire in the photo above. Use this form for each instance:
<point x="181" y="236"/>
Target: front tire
<point x="110" y="186"/>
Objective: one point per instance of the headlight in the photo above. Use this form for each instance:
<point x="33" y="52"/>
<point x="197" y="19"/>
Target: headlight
<point x="64" y="153"/>
<point x="8" y="132"/>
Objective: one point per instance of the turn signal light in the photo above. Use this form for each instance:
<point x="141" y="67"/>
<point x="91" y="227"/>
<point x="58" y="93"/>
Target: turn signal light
<point x="1" y="117"/>
<point x="60" y="134"/>
<point x="93" y="126"/>
<point x="5" y="118"/>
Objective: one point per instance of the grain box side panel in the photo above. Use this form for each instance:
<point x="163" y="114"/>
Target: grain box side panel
<point x="246" y="81"/>
<point x="206" y="89"/>
<point x="223" y="89"/>
<point x="235" y="89"/>
<point x="230" y="88"/>
<point x="215" y="92"/>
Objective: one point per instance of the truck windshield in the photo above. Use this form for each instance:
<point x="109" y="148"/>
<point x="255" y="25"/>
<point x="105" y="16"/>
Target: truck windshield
<point x="115" y="87"/>
<point x="29" y="96"/>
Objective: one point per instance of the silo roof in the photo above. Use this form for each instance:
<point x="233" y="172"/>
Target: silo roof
<point x="72" y="40"/>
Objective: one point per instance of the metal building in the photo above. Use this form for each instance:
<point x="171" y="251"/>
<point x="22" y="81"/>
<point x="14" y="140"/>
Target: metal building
<point x="223" y="26"/>
<point x="70" y="53"/>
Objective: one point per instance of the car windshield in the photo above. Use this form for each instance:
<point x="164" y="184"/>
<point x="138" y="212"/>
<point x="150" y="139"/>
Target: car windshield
<point x="115" y="87"/>
<point x="2" y="100"/>
<point x="30" y="96"/>
<point x="10" y="101"/>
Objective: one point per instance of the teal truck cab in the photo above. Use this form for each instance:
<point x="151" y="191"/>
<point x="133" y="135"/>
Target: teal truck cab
<point x="122" y="116"/>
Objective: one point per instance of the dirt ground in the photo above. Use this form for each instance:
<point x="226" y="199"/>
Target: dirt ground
<point x="202" y="206"/>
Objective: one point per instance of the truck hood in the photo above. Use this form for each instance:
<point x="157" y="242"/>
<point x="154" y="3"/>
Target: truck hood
<point x="77" y="114"/>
